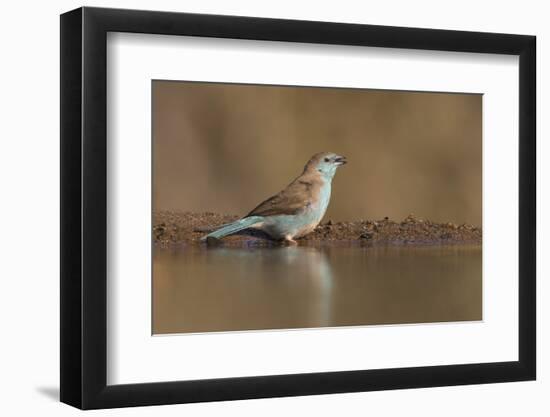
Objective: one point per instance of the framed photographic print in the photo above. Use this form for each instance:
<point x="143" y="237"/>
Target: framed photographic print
<point x="257" y="207"/>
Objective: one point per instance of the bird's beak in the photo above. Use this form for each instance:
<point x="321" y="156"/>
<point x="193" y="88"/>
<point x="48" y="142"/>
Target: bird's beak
<point x="340" y="160"/>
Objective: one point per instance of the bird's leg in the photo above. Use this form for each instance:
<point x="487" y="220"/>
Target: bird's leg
<point x="289" y="241"/>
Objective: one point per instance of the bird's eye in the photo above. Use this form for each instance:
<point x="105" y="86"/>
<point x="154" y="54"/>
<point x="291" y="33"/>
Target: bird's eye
<point x="327" y="160"/>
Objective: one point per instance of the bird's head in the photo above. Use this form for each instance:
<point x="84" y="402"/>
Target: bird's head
<point x="326" y="163"/>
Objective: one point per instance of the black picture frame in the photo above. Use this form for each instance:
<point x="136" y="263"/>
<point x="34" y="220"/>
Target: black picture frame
<point x="84" y="207"/>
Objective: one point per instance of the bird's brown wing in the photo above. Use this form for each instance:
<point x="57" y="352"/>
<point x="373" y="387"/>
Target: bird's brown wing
<point x="293" y="199"/>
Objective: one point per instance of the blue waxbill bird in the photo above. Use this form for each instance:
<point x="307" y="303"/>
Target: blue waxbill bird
<point x="295" y="211"/>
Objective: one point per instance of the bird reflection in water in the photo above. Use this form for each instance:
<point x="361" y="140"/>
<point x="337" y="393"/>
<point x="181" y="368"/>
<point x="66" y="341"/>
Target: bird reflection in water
<point x="300" y="276"/>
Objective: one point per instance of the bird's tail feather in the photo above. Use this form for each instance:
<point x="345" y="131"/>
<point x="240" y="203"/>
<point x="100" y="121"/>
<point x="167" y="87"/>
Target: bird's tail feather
<point x="236" y="226"/>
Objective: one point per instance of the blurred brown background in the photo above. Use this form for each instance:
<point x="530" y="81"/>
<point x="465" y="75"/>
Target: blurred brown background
<point x="226" y="147"/>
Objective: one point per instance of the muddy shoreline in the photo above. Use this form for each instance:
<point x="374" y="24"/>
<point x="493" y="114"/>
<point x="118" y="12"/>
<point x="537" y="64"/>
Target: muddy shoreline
<point x="176" y="228"/>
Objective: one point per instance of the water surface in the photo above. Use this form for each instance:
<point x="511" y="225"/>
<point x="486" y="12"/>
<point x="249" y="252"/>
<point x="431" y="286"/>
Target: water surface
<point x="222" y="289"/>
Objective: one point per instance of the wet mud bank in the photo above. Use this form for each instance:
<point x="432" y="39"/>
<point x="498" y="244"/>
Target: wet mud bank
<point x="175" y="228"/>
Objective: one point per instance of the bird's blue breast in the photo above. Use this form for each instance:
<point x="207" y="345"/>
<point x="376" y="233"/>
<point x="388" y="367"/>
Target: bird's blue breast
<point x="296" y="225"/>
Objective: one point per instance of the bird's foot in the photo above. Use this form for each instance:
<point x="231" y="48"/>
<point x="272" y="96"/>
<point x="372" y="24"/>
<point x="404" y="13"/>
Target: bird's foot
<point x="289" y="241"/>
